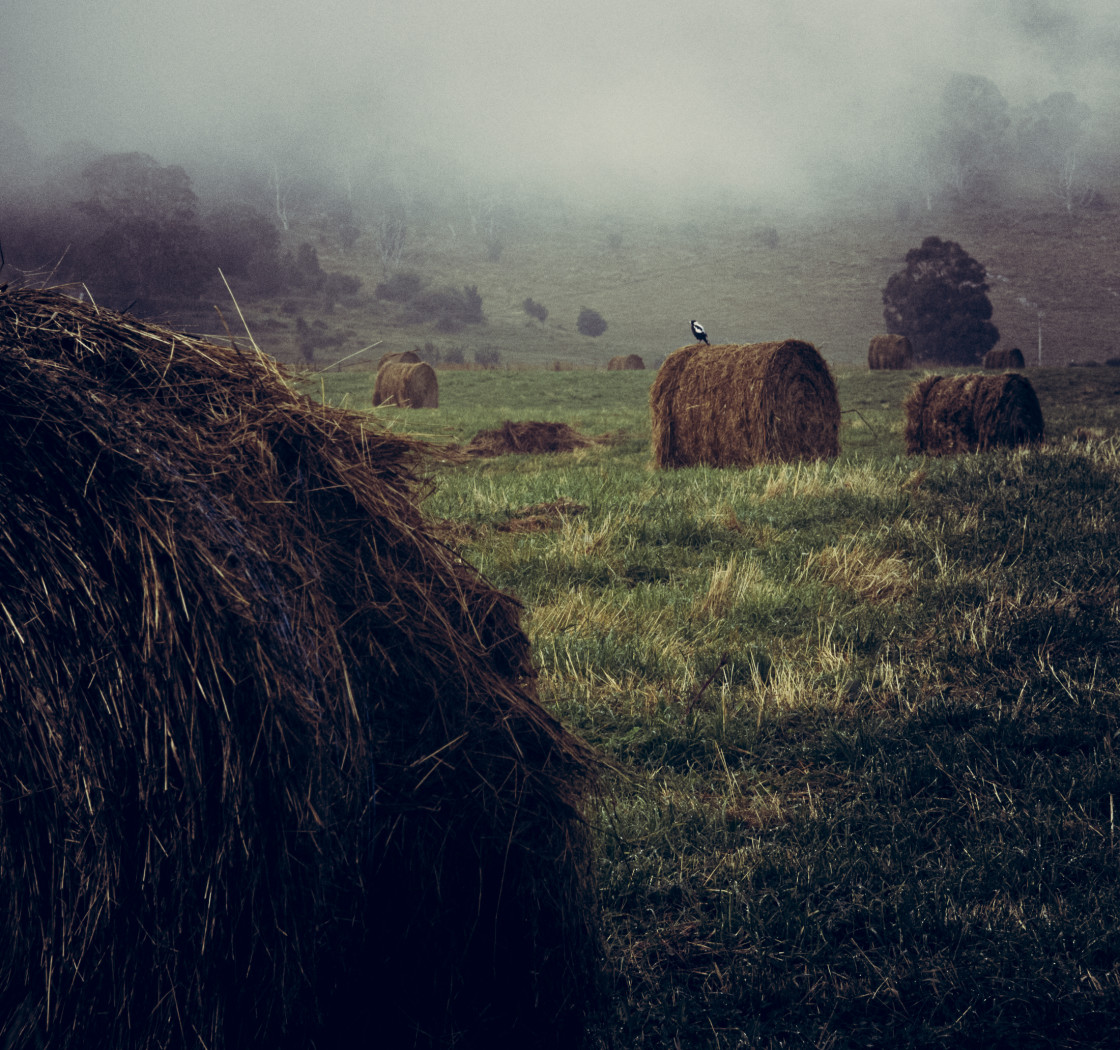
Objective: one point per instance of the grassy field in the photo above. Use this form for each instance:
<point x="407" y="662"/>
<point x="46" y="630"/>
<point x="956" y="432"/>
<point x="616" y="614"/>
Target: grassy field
<point x="864" y="712"/>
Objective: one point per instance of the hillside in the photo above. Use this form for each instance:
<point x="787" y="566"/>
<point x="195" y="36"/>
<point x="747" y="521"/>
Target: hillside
<point x="748" y="275"/>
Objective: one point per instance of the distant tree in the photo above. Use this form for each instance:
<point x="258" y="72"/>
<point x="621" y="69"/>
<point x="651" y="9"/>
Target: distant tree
<point x="245" y="243"/>
<point x="969" y="139"/>
<point x="149" y="241"/>
<point x="591" y="322"/>
<point x="940" y="303"/>
<point x="390" y="236"/>
<point x="1050" y="142"/>
<point x="487" y="357"/>
<point x="336" y="285"/>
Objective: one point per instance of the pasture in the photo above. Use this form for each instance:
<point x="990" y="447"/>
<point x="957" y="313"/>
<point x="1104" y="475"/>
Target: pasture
<point x="863" y="713"/>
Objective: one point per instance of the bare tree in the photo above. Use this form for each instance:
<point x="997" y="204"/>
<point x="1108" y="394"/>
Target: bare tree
<point x="390" y="236"/>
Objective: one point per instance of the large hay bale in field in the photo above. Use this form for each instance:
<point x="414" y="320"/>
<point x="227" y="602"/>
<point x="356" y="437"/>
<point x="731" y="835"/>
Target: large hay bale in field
<point x="889" y="352"/>
<point x="406" y="385"/>
<point x="735" y="406"/>
<point x="969" y="413"/>
<point x="1004" y="357"/>
<point x="403" y="357"/>
<point x="272" y="768"/>
<point x="630" y="362"/>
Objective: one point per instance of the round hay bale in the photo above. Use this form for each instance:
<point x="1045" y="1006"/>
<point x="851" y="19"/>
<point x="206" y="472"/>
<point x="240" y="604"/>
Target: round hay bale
<point x="970" y="413"/>
<point x="889" y="352"/>
<point x="629" y="362"/>
<point x="403" y="357"/>
<point x="272" y="768"/>
<point x="735" y="406"/>
<point x="1004" y="357"/>
<point x="406" y="386"/>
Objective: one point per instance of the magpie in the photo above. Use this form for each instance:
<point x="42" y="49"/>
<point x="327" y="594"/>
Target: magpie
<point x="698" y="331"/>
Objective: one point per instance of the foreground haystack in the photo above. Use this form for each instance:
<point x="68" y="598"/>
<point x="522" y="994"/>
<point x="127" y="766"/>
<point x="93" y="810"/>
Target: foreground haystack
<point x="890" y="352"/>
<point x="969" y="413"/>
<point x="406" y="385"/>
<point x="735" y="406"/>
<point x="631" y="362"/>
<point x="224" y="630"/>
<point x="1004" y="357"/>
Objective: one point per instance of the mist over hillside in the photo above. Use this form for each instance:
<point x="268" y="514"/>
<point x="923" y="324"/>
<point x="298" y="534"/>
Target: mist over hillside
<point x="763" y="166"/>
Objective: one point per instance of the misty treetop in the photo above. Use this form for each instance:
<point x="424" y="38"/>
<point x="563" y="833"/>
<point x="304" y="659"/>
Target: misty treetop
<point x="939" y="301"/>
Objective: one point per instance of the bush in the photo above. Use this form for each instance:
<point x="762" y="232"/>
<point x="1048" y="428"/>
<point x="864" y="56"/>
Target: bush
<point x="487" y="357"/>
<point x="447" y="308"/>
<point x="591" y="322"/>
<point x="401" y="287"/>
<point x="535" y="309"/>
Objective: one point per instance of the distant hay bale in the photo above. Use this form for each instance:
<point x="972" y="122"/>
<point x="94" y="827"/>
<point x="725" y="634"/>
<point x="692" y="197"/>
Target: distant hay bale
<point x="272" y="768"/>
<point x="526" y="437"/>
<point x="889" y="352"/>
<point x="735" y="406"/>
<point x="970" y="413"/>
<point x="406" y="385"/>
<point x="625" y="364"/>
<point x="403" y="357"/>
<point x="1004" y="357"/>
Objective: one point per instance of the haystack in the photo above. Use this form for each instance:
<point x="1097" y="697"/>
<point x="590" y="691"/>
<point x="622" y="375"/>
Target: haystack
<point x="1004" y="357"/>
<point x="406" y="385"/>
<point x="526" y="436"/>
<point x="735" y="406"/>
<point x="403" y="357"/>
<point x="969" y="413"/>
<point x="272" y="768"/>
<point x="889" y="352"/>
<point x="628" y="363"/>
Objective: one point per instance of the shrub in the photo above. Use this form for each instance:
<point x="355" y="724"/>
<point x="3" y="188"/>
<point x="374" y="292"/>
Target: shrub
<point x="487" y="357"/>
<point x="591" y="322"/>
<point x="401" y="287"/>
<point x="535" y="309"/>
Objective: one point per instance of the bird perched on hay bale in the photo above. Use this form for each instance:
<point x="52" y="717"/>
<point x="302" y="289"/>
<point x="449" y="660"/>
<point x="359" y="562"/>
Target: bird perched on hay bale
<point x="627" y="363"/>
<point x="889" y="352"/>
<point x="272" y="768"/>
<point x="406" y="385"/>
<point x="1004" y="357"/>
<point x="735" y="406"/>
<point x="698" y="332"/>
<point x="970" y="413"/>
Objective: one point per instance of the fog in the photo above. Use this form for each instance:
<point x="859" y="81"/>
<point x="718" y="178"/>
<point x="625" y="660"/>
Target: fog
<point x="762" y="96"/>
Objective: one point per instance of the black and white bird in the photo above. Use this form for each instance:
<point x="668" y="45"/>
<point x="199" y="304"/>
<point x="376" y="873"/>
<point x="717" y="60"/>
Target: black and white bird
<point x="698" y="331"/>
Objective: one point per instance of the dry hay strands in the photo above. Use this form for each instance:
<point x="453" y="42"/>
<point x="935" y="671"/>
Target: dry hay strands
<point x="735" y="406"/>
<point x="627" y="363"/>
<point x="970" y="413"/>
<point x="406" y="385"/>
<point x="225" y="629"/>
<point x="526" y="436"/>
<point x="889" y="352"/>
<point x="1004" y="357"/>
<point x="403" y="357"/>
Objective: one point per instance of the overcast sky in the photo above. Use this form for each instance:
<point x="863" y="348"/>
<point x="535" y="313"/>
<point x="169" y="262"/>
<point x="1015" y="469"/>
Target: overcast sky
<point x="748" y="93"/>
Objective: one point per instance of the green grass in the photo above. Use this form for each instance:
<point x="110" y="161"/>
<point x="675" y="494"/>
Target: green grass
<point x="865" y="712"/>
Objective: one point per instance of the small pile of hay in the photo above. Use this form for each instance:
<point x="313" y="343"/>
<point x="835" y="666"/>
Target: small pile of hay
<point x="889" y="352"/>
<point x="526" y="437"/>
<point x="406" y="385"/>
<point x="735" y="406"/>
<point x="541" y="517"/>
<point x="1004" y="357"/>
<point x="970" y="413"/>
<point x="225" y="631"/>
<point x="628" y="363"/>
